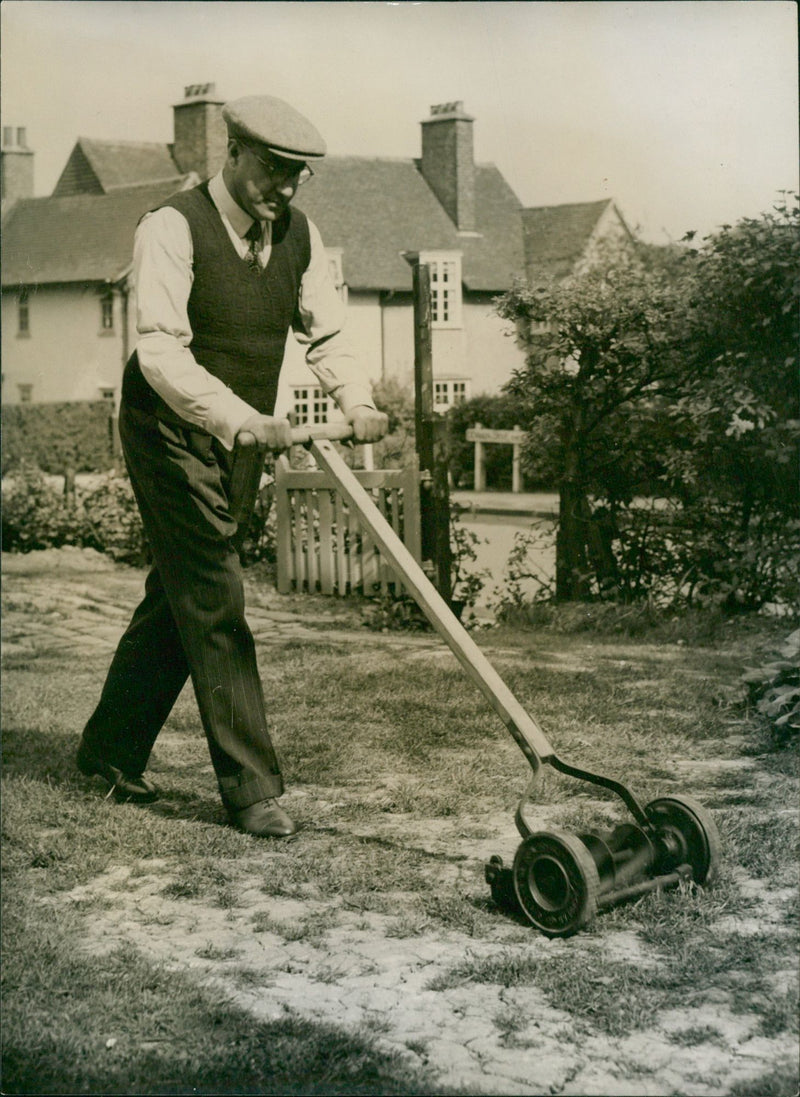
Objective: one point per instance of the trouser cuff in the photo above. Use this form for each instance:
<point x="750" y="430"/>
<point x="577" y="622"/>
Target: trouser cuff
<point x="246" y="788"/>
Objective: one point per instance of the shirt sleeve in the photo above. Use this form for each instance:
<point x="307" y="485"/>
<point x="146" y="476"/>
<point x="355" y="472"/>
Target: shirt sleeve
<point x="321" y="328"/>
<point x="163" y="274"/>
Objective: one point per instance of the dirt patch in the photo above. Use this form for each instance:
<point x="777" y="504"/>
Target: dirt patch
<point x="321" y="959"/>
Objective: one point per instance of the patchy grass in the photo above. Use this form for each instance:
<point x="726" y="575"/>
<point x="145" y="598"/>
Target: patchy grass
<point x="117" y="1024"/>
<point x="398" y="771"/>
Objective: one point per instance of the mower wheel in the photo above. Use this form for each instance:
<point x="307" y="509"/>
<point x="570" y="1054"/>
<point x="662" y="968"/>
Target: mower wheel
<point x="556" y="882"/>
<point x="687" y="834"/>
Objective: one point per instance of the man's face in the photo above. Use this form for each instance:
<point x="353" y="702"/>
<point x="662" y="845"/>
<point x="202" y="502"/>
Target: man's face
<point x="260" y="182"/>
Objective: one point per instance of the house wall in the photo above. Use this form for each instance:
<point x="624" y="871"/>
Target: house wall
<point x="483" y="350"/>
<point x="493" y="349"/>
<point x="364" y="332"/>
<point x="609" y="230"/>
<point x="67" y="355"/>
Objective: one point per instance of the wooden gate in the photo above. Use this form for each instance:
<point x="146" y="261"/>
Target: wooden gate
<point x="321" y="544"/>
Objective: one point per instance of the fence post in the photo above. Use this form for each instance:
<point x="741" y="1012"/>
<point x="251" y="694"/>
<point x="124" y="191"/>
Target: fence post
<point x="480" y="468"/>
<point x="516" y="477"/>
<point x="431" y="437"/>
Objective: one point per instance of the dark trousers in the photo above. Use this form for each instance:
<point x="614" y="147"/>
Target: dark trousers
<point x="191" y="620"/>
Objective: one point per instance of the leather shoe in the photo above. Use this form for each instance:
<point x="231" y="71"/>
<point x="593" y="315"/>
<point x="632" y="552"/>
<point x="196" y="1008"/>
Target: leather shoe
<point x="126" y="787"/>
<point x="266" y="819"/>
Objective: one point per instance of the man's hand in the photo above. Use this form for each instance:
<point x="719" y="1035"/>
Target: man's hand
<point x="265" y="430"/>
<point x="368" y="424"/>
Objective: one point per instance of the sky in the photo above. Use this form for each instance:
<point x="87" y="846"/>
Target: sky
<point x="683" y="111"/>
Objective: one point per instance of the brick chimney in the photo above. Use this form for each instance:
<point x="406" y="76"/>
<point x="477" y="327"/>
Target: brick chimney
<point x="16" y="176"/>
<point x="200" y="134"/>
<point x="448" y="164"/>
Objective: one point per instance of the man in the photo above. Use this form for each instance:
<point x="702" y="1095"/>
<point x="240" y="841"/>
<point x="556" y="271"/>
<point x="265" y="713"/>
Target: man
<point x="223" y="271"/>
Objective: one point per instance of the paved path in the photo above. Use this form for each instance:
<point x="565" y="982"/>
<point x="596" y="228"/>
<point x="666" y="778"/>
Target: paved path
<point x="78" y="600"/>
<point x="529" y="504"/>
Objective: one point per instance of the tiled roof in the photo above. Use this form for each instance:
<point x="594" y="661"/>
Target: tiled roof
<point x="555" y="237"/>
<point x="85" y="238"/>
<point x="102" y="166"/>
<point x="375" y="209"/>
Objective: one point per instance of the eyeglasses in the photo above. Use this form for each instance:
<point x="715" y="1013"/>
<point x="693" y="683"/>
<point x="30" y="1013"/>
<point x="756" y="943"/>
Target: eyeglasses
<point x="281" y="175"/>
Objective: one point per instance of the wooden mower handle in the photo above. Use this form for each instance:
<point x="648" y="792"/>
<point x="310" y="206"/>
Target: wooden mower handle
<point x="301" y="436"/>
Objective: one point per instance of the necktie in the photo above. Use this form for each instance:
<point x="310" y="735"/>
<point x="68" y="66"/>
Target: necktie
<point x="253" y="237"/>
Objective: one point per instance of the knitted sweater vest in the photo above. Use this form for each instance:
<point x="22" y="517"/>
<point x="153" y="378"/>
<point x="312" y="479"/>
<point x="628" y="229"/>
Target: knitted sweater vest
<point x="240" y="317"/>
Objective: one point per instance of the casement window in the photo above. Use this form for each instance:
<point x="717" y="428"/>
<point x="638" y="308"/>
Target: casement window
<point x="446" y="394"/>
<point x="23" y="313"/>
<point x="107" y="312"/>
<point x="445" y="269"/>
<point x="336" y="271"/>
<point x="25" y="393"/>
<point x="311" y="405"/>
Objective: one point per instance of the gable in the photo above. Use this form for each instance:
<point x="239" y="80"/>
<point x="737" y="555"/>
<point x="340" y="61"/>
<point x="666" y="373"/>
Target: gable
<point x="78" y="176"/>
<point x="557" y="237"/>
<point x="97" y="167"/>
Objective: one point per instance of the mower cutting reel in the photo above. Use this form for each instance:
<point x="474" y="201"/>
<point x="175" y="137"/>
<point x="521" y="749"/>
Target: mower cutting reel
<point x="558" y="881"/>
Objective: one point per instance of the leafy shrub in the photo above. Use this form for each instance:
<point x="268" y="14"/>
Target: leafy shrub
<point x="103" y="516"/>
<point x="399" y="612"/>
<point x="739" y="569"/>
<point x="111" y="522"/>
<point x="36" y="515"/>
<point x="466" y="582"/>
<point x="775" y="687"/>
<point x="395" y="613"/>
<point x="496" y="412"/>
<point x="259" y="546"/>
<point x="526" y="582"/>
<point x="671" y="556"/>
<point x="397" y="449"/>
<point x="55" y="437"/>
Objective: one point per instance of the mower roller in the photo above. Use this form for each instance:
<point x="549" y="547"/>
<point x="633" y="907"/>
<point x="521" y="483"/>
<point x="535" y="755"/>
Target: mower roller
<point x="558" y="880"/>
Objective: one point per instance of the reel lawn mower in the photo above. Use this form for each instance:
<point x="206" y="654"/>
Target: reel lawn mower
<point x="557" y="881"/>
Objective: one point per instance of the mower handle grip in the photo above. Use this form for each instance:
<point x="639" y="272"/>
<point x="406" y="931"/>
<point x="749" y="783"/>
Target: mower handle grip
<point x="301" y="436"/>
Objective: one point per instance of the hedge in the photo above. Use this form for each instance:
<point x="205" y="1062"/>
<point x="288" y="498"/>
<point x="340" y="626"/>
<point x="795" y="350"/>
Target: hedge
<point x="57" y="437"/>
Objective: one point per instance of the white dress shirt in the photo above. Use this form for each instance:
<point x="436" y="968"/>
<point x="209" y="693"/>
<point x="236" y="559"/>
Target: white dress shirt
<point x="163" y="274"/>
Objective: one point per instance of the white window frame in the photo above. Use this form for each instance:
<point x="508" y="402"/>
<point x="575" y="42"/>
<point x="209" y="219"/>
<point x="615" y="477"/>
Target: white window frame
<point x="336" y="271"/>
<point x="449" y="391"/>
<point x="446" y="293"/>
<point x="310" y="404"/>
<point x="107" y="312"/>
<point x="24" y="313"/>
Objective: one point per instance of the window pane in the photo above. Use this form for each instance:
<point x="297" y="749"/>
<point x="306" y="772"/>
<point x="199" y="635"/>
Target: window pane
<point x="23" y="313"/>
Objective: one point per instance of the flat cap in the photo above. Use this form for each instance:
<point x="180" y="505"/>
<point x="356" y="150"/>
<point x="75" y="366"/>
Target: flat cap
<point x="274" y="123"/>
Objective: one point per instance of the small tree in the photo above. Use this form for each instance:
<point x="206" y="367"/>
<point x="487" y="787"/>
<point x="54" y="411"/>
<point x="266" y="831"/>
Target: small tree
<point x="673" y="372"/>
<point x="593" y="383"/>
<point x="737" y="470"/>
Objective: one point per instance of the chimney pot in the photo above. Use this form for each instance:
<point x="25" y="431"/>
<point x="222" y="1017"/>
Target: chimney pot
<point x="199" y="91"/>
<point x="16" y="174"/>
